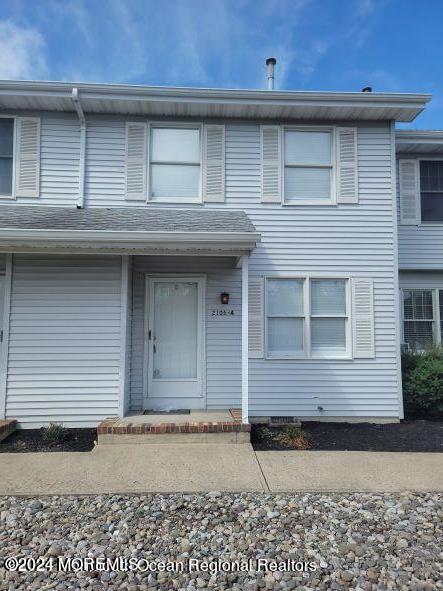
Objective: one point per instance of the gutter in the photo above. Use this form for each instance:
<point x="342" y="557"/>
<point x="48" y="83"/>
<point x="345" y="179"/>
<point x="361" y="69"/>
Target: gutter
<point x="82" y="157"/>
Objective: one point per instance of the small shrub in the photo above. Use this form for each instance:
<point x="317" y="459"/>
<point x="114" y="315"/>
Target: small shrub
<point x="294" y="437"/>
<point x="265" y="435"/>
<point x="55" y="433"/>
<point x="423" y="383"/>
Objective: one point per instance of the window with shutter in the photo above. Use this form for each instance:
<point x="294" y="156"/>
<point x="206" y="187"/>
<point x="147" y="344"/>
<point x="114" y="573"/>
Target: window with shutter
<point x="409" y="192"/>
<point x="347" y="179"/>
<point x="136" y="161"/>
<point x="214" y="164"/>
<point x="256" y="317"/>
<point x="363" y="318"/>
<point x="27" y="175"/>
<point x="270" y="142"/>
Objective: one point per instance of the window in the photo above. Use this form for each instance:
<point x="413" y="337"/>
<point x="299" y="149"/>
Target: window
<point x="308" y="166"/>
<point x="418" y="318"/>
<point x="431" y="190"/>
<point x="6" y="155"/>
<point x="307" y="317"/>
<point x="175" y="156"/>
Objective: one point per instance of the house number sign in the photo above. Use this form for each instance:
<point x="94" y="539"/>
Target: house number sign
<point x="222" y="312"/>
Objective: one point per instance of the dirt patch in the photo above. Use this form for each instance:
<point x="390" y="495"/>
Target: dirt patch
<point x="412" y="436"/>
<point x="31" y="440"/>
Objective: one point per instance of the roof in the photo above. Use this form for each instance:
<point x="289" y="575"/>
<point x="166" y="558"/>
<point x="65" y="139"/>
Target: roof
<point x="122" y="229"/>
<point x="210" y="103"/>
<point x="419" y="140"/>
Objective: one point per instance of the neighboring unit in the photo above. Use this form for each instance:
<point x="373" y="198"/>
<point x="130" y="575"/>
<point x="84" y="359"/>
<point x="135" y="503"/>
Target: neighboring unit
<point x="420" y="170"/>
<point x="175" y="248"/>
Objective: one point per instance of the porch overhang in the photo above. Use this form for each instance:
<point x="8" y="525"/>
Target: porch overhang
<point x="126" y="231"/>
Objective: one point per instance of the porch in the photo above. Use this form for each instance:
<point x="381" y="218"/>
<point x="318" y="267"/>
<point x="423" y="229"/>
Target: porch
<point x="150" y="313"/>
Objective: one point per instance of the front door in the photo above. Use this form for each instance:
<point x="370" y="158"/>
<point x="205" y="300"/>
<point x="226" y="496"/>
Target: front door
<point x="175" y="343"/>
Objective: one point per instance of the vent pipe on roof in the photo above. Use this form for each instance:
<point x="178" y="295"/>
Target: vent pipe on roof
<point x="270" y="62"/>
<point x="367" y="89"/>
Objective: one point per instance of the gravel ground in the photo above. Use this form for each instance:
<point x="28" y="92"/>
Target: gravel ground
<point x="357" y="541"/>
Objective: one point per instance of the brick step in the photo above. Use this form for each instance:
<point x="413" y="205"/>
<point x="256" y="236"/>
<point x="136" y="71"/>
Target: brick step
<point x="7" y="426"/>
<point x="122" y="431"/>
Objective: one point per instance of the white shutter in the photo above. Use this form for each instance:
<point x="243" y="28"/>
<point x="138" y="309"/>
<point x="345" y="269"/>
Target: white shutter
<point x="256" y="316"/>
<point x="347" y="175"/>
<point x="409" y="192"/>
<point x="27" y="171"/>
<point x="136" y="161"/>
<point x="271" y="169"/>
<point x="214" y="164"/>
<point x="363" y="318"/>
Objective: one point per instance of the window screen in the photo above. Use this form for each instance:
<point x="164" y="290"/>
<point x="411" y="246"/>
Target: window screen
<point x="418" y="319"/>
<point x="308" y="165"/>
<point x="6" y="155"/>
<point x="431" y="190"/>
<point x="175" y="164"/>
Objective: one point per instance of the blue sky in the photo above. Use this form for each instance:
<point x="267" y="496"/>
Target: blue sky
<point x="392" y="45"/>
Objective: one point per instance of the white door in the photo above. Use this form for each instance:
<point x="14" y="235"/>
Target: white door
<point x="175" y="343"/>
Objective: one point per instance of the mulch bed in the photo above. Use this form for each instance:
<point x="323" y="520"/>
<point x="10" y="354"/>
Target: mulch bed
<point x="412" y="436"/>
<point x="29" y="440"/>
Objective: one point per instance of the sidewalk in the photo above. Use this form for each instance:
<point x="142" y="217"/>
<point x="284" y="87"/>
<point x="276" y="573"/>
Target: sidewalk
<point x="202" y="468"/>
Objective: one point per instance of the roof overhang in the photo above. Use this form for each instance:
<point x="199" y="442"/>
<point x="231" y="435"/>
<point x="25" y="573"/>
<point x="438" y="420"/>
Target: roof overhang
<point x="419" y="141"/>
<point x="157" y="101"/>
<point x="132" y="242"/>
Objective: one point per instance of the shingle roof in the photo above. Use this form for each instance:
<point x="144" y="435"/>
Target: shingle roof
<point x="125" y="219"/>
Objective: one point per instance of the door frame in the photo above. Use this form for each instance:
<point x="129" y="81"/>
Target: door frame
<point x="200" y="279"/>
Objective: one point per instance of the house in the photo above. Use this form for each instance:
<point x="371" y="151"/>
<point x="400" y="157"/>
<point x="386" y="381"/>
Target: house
<point x="420" y="169"/>
<point x="182" y="248"/>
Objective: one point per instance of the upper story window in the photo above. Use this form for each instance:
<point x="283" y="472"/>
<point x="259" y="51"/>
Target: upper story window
<point x="431" y="190"/>
<point x="308" y="158"/>
<point x="6" y="155"/>
<point x="307" y="318"/>
<point x="175" y="164"/>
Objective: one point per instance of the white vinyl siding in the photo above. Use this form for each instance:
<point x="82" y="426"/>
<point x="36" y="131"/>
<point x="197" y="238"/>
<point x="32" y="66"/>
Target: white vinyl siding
<point x="58" y="163"/>
<point x="64" y="340"/>
<point x="346" y="240"/>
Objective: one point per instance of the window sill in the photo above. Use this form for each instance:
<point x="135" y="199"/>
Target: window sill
<point x="312" y="358"/>
<point x="156" y="202"/>
<point x="305" y="202"/>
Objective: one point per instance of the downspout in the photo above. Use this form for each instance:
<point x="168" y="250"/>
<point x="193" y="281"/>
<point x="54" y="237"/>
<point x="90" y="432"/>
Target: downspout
<point x="81" y="168"/>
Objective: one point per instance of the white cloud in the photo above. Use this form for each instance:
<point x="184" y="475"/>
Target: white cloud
<point x="22" y="52"/>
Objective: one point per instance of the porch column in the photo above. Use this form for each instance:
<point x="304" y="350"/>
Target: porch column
<point x="244" y="341"/>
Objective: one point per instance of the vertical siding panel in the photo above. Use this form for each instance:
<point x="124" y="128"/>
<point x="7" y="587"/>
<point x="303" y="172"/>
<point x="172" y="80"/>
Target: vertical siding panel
<point x="64" y="343"/>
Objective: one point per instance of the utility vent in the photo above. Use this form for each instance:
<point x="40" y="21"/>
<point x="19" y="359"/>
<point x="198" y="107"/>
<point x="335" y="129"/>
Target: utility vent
<point x="275" y="421"/>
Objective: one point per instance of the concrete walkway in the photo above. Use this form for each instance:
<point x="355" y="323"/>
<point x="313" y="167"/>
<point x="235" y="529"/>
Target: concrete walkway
<point x="202" y="468"/>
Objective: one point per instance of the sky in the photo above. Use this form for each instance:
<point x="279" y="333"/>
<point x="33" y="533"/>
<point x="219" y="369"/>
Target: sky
<point x="337" y="45"/>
